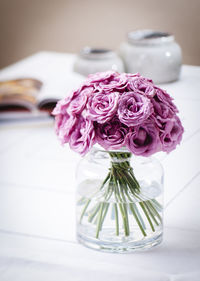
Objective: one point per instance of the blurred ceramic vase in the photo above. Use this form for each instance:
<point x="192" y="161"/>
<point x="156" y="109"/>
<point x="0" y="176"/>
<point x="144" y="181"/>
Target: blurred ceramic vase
<point x="92" y="60"/>
<point x="153" y="54"/>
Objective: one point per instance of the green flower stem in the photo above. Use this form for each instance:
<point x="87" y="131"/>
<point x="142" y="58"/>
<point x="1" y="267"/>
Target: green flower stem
<point x="122" y="207"/>
<point x="150" y="212"/>
<point x="99" y="221"/>
<point x="104" y="182"/>
<point x="106" y="206"/>
<point x="124" y="191"/>
<point x="139" y="216"/>
<point x="157" y="205"/>
<point x="93" y="214"/>
<point x="84" y="209"/>
<point x="137" y="220"/>
<point x="95" y="210"/>
<point x="116" y="219"/>
<point x="147" y="215"/>
<point x="153" y="209"/>
<point x="131" y="206"/>
<point x="124" y="219"/>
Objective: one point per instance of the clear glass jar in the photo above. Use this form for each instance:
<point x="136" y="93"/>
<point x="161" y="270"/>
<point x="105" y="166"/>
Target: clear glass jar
<point x="119" y="201"/>
<point x="92" y="60"/>
<point x="153" y="54"/>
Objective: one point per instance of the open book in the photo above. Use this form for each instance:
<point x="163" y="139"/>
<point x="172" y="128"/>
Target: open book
<point x="24" y="95"/>
<point x="20" y="95"/>
<point x="31" y="87"/>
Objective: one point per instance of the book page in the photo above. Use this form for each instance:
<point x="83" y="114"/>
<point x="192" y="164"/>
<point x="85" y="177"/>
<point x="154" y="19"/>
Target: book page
<point x="54" y="70"/>
<point x="55" y="88"/>
<point x="19" y="94"/>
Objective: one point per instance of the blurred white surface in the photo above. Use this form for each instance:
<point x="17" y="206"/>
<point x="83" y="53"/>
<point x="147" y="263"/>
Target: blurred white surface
<point x="37" y="207"/>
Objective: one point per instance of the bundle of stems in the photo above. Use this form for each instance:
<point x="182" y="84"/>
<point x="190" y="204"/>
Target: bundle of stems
<point x="121" y="184"/>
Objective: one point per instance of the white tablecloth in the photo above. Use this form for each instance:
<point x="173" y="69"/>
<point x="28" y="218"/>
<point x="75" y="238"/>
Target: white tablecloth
<point x="37" y="188"/>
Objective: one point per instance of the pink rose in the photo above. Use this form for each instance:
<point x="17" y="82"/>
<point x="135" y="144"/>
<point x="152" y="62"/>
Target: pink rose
<point x="64" y="122"/>
<point x="171" y="134"/>
<point x="162" y="99"/>
<point x="101" y="107"/>
<point x="64" y="125"/>
<point x="164" y="108"/>
<point x="107" y="81"/>
<point x="141" y="84"/>
<point x="131" y="76"/>
<point x="144" y="139"/>
<point x="101" y="76"/>
<point x="61" y="106"/>
<point x="83" y="136"/>
<point x="78" y="102"/>
<point x="134" y="108"/>
<point x="112" y="134"/>
<point x="117" y="83"/>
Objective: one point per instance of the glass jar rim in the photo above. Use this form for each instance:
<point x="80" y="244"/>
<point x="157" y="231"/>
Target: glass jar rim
<point x="149" y="37"/>
<point x="96" y="53"/>
<point x="100" y="148"/>
<point x="96" y="149"/>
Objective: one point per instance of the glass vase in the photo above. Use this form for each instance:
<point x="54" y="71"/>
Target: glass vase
<point x="119" y="201"/>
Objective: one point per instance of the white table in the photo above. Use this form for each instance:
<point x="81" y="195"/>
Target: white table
<point x="37" y="221"/>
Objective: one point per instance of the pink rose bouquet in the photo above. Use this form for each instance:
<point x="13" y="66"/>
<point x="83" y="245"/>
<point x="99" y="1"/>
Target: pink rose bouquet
<point x="117" y="110"/>
<point x="120" y="111"/>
